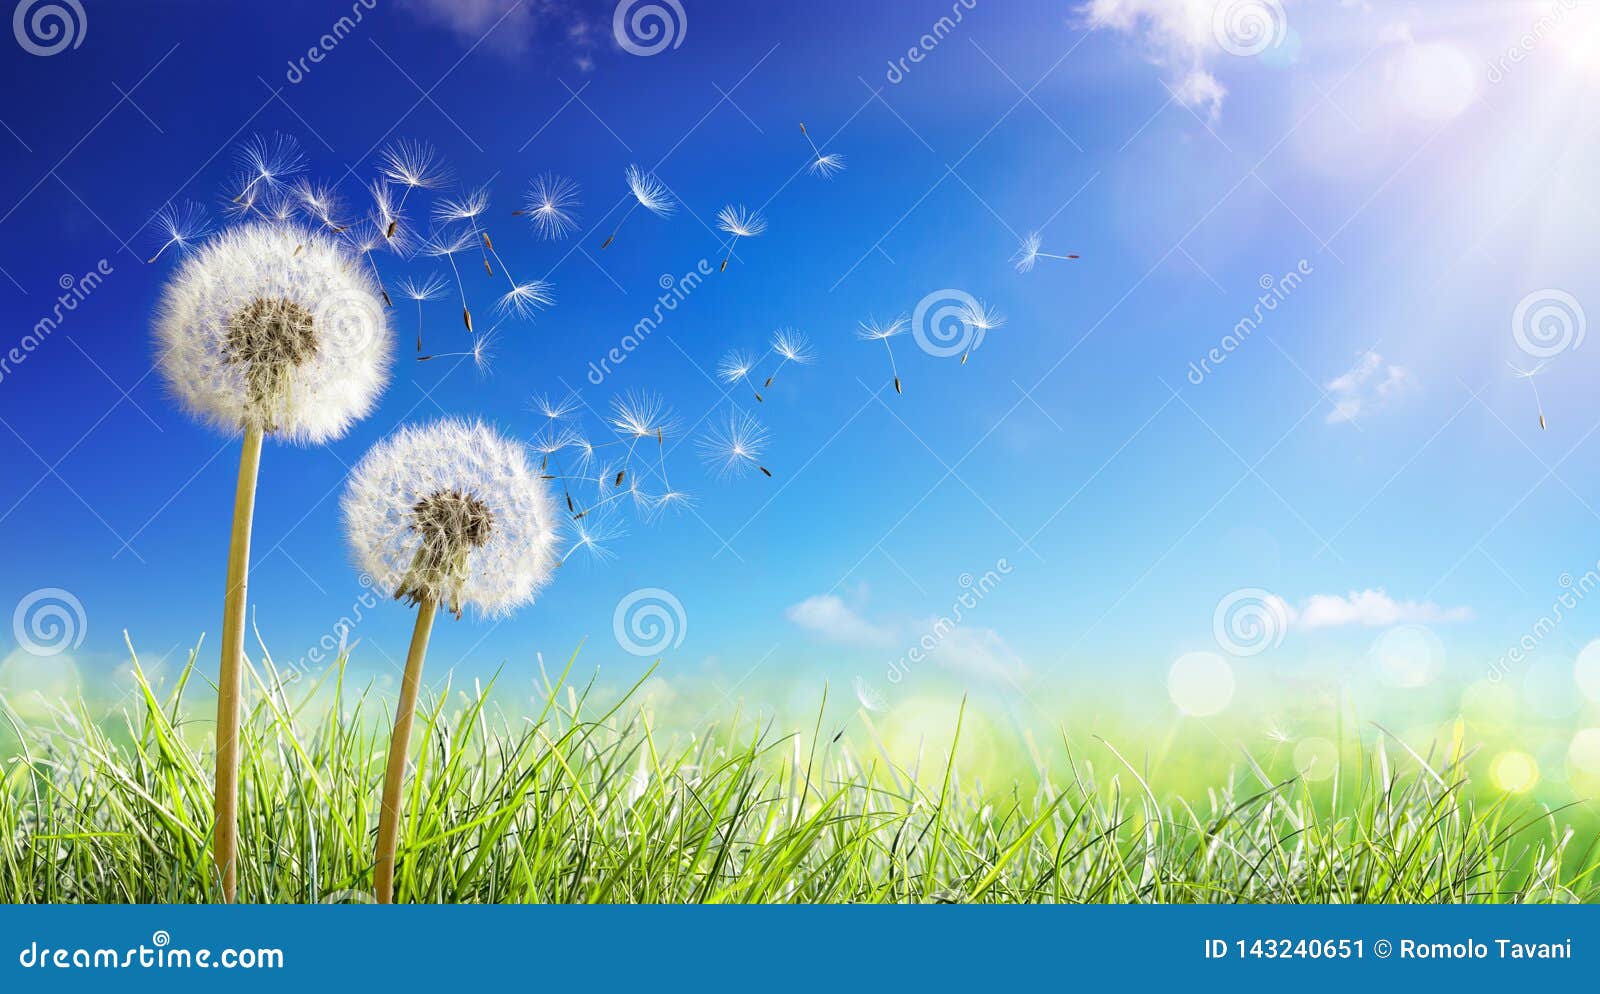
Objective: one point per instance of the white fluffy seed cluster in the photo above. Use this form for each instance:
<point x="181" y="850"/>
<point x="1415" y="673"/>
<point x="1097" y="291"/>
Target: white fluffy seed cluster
<point x="460" y="459"/>
<point x="332" y="381"/>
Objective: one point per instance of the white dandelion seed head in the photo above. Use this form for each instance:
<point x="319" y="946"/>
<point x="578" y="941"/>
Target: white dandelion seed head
<point x="454" y="512"/>
<point x="270" y="159"/>
<point x="651" y="193"/>
<point x="641" y="415"/>
<point x="733" y="447"/>
<point x="523" y="299"/>
<point x="873" y="330"/>
<point x="740" y="221"/>
<point x="549" y="205"/>
<point x="736" y="365"/>
<point x="463" y="208"/>
<point x="981" y="317"/>
<point x="431" y="288"/>
<point x="414" y="164"/>
<point x="1028" y="254"/>
<point x="826" y="165"/>
<point x="793" y="346"/>
<point x="276" y="328"/>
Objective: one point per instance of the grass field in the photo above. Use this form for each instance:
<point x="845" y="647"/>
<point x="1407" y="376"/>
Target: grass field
<point x="585" y="801"/>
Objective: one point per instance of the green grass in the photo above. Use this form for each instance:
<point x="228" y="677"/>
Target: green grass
<point x="585" y="802"/>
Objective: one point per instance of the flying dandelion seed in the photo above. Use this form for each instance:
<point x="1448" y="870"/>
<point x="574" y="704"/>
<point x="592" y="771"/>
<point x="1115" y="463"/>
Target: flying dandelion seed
<point x="466" y="210"/>
<point x="740" y="223"/>
<point x="592" y="537"/>
<point x="868" y="697"/>
<point x="980" y="320"/>
<point x="734" y="448"/>
<point x="737" y="366"/>
<point x="413" y="165"/>
<point x="1528" y="375"/>
<point x="181" y="225"/>
<point x="556" y="410"/>
<point x="549" y="204"/>
<point x="822" y="165"/>
<point x="431" y="288"/>
<point x="791" y="346"/>
<point x="872" y="331"/>
<point x="1030" y="253"/>
<point x="388" y="219"/>
<point x="267" y="162"/>
<point x="481" y="353"/>
<point x="444" y="245"/>
<point x="649" y="193"/>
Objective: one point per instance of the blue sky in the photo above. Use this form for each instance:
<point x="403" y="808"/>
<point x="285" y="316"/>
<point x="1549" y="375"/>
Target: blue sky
<point x="1362" y="459"/>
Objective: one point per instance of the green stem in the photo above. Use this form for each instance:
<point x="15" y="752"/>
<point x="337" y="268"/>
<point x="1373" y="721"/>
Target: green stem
<point x="225" y="846"/>
<point x="399" y="744"/>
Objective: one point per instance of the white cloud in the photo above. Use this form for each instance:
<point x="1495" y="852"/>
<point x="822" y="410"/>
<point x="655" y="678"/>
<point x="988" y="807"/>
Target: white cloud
<point x="1368" y="383"/>
<point x="1179" y="36"/>
<point x="977" y="652"/>
<point x="831" y="618"/>
<point x="511" y="26"/>
<point x="1373" y="609"/>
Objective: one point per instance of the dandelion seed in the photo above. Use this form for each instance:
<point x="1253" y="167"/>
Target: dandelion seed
<point x="649" y="193"/>
<point x="413" y="165"/>
<point x="181" y="225"/>
<point x="740" y="223"/>
<point x="556" y="410"/>
<point x="641" y="415"/>
<point x="481" y="353"/>
<point x="592" y="537"/>
<point x="267" y="162"/>
<point x="1528" y="375"/>
<point x="734" y="447"/>
<point x="791" y="346"/>
<point x="430" y="289"/>
<point x="872" y="331"/>
<point x="1030" y="253"/>
<point x="549" y="204"/>
<point x="737" y="366"/>
<point x="869" y="698"/>
<point x="444" y="245"/>
<point x="822" y="165"/>
<point x="980" y="320"/>
<point x="466" y="210"/>
<point x="523" y="299"/>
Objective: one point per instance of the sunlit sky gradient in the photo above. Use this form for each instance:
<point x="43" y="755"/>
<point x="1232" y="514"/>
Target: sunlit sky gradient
<point x="1368" y="435"/>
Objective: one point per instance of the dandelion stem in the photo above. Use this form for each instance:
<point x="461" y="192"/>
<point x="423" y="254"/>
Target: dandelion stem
<point x="399" y="745"/>
<point x="225" y="845"/>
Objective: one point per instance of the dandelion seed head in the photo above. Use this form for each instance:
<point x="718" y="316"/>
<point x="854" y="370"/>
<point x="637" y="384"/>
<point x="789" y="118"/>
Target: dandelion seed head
<point x="452" y="512"/>
<point x="733" y="447"/>
<point x="651" y="193"/>
<point x="549" y="205"/>
<point x="741" y="222"/>
<point x="276" y="328"/>
<point x="1028" y="254"/>
<point x="793" y="346"/>
<point x="412" y="164"/>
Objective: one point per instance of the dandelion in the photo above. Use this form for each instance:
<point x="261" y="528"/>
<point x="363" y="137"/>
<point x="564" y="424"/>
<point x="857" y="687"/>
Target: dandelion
<point x="737" y="366"/>
<point x="871" y="331"/>
<point x="791" y="346"/>
<point x="466" y="210"/>
<point x="549" y="204"/>
<point x="593" y="537"/>
<point x="268" y="330"/>
<point x="1029" y="254"/>
<point x="649" y="193"/>
<point x="444" y="516"/>
<point x="431" y="288"/>
<point x="267" y="162"/>
<point x="980" y="320"/>
<point x="740" y="223"/>
<point x="445" y="245"/>
<point x="734" y="448"/>
<point x="481" y="353"/>
<point x="318" y="203"/>
<point x="1528" y="375"/>
<point x="413" y="165"/>
<point x="182" y="225"/>
<point x="822" y="165"/>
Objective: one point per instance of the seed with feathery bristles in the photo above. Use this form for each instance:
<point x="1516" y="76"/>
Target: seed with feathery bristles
<point x="647" y="192"/>
<point x="734" y="446"/>
<point x="872" y="330"/>
<point x="979" y="319"/>
<point x="549" y="204"/>
<point x="739" y="222"/>
<point x="181" y="225"/>
<point x="790" y="346"/>
<point x="1030" y="253"/>
<point x="430" y="289"/>
<point x="268" y="161"/>
<point x="823" y="165"/>
<point x="412" y="164"/>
